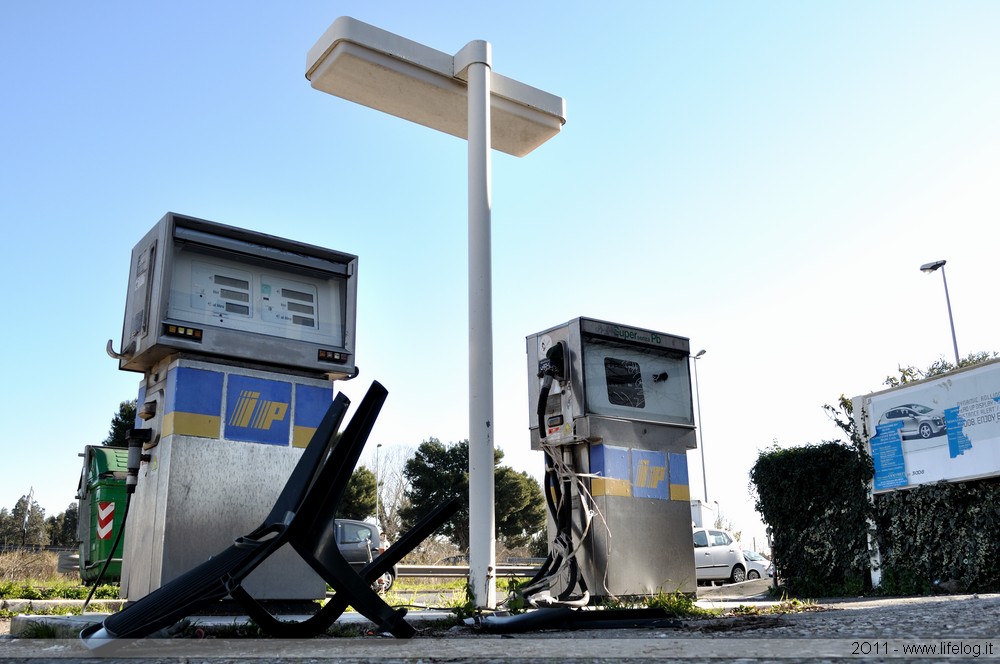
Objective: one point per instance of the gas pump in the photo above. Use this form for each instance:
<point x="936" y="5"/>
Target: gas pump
<point x="611" y="408"/>
<point x="238" y="336"/>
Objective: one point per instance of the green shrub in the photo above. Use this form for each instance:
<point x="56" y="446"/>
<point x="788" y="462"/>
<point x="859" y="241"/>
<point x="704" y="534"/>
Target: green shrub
<point x="815" y="501"/>
<point x="943" y="533"/>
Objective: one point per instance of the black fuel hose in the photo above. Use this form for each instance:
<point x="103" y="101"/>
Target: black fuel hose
<point x="136" y="438"/>
<point x="543" y="397"/>
<point x="111" y="555"/>
<point x="566" y="619"/>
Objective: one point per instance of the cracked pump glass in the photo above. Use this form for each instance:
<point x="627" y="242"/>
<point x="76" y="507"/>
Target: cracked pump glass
<point x="630" y="381"/>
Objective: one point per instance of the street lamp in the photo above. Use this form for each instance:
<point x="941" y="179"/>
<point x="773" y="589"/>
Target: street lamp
<point x="378" y="485"/>
<point x="931" y="267"/>
<point x="458" y="95"/>
<point x="701" y="435"/>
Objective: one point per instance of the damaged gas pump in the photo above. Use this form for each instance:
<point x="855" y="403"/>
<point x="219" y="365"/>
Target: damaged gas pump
<point x="611" y="408"/>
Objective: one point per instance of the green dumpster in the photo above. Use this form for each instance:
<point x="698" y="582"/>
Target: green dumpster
<point x="102" y="508"/>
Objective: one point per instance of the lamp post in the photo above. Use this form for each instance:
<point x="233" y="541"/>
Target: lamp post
<point x="27" y="515"/>
<point x="931" y="267"/>
<point x="378" y="487"/>
<point x="701" y="435"/>
<point x="459" y="95"/>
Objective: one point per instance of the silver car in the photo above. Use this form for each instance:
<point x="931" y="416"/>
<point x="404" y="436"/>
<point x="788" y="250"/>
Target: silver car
<point x="918" y="420"/>
<point x="359" y="543"/>
<point x="718" y="556"/>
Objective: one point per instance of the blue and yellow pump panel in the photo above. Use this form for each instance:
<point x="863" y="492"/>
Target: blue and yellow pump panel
<point x="221" y="404"/>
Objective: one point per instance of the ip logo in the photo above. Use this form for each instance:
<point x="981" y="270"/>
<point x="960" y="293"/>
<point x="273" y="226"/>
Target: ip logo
<point x="257" y="413"/>
<point x="257" y="410"/>
<point x="649" y="475"/>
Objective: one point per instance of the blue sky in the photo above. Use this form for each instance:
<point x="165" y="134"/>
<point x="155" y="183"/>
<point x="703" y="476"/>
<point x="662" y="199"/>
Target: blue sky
<point x="762" y="177"/>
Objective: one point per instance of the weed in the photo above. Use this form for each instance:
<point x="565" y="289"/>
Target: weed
<point x="37" y="630"/>
<point x="465" y="607"/>
<point x="621" y="602"/>
<point x="744" y="610"/>
<point x="345" y="631"/>
<point x="785" y="606"/>
<point x="100" y="607"/>
<point x="236" y="630"/>
<point x="777" y="592"/>
<point x="515" y="602"/>
<point x="678" y="604"/>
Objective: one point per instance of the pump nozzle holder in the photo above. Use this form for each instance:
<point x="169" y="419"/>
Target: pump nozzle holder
<point x="136" y="438"/>
<point x="556" y="356"/>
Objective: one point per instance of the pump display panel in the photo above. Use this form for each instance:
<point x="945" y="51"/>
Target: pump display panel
<point x="635" y="382"/>
<point x="220" y="291"/>
<point x="205" y="289"/>
<point x="590" y="379"/>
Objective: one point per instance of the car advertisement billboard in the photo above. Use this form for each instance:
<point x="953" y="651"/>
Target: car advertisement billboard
<point x="943" y="428"/>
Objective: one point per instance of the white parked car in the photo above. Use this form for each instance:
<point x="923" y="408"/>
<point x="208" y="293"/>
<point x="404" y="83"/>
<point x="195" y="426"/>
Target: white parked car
<point x="757" y="565"/>
<point x="718" y="556"/>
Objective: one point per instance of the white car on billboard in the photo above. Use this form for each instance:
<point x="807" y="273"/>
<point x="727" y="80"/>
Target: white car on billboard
<point x="919" y="421"/>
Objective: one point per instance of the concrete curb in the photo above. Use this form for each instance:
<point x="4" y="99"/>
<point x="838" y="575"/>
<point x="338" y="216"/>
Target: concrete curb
<point x="47" y="606"/>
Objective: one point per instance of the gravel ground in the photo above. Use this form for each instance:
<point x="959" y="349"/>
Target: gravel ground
<point x="884" y="629"/>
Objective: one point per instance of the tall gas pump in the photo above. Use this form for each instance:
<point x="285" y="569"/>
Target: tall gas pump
<point x="611" y="408"/>
<point x="239" y="336"/>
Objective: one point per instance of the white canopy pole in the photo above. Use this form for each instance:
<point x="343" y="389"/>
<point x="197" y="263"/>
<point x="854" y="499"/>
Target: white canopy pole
<point x="474" y="61"/>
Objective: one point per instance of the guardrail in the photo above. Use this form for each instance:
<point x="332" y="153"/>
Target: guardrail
<point x="69" y="562"/>
<point x="463" y="570"/>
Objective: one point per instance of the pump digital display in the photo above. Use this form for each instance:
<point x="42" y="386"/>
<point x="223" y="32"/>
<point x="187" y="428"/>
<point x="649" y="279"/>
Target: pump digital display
<point x="214" y="290"/>
<point x="288" y="302"/>
<point x="219" y="290"/>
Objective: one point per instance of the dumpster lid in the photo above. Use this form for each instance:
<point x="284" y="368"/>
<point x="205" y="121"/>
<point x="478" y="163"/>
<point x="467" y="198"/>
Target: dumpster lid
<point x="107" y="461"/>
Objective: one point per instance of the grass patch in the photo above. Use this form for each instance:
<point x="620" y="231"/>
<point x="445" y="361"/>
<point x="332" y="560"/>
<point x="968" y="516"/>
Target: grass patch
<point x="785" y="606"/>
<point x="417" y="584"/>
<point x="27" y="564"/>
<point x="677" y="604"/>
<point x="64" y="610"/>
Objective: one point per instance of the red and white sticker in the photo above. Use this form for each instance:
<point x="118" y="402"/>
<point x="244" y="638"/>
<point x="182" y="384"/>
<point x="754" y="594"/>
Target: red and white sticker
<point x="105" y="519"/>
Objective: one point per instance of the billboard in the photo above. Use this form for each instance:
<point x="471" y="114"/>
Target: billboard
<point x="943" y="428"/>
